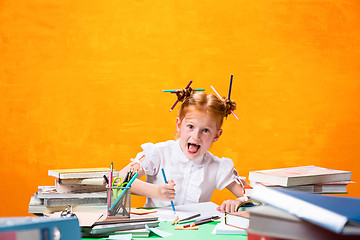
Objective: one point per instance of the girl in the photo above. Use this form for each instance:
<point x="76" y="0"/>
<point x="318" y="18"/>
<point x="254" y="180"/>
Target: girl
<point x="193" y="170"/>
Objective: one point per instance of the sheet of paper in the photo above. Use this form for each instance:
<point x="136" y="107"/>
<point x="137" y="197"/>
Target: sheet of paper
<point x="86" y="219"/>
<point x="206" y="209"/>
<point x="222" y="228"/>
<point x="121" y="236"/>
<point x="158" y="232"/>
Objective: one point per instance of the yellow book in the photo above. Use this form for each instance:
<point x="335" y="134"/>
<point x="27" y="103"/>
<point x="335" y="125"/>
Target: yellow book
<point x="81" y="173"/>
<point x="294" y="176"/>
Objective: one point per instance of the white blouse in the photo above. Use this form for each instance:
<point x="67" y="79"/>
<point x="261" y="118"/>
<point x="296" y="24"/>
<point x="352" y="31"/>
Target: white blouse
<point x="195" y="180"/>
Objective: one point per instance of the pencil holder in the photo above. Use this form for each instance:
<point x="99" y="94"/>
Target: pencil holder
<point x="119" y="202"/>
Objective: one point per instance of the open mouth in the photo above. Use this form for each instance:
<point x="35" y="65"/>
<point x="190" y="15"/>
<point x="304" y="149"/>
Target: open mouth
<point x="193" y="148"/>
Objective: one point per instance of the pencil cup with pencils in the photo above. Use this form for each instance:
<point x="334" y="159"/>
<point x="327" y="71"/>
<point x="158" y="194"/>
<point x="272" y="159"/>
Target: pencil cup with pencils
<point x="119" y="202"/>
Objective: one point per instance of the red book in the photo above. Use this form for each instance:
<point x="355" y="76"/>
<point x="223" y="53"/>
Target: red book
<point x="255" y="236"/>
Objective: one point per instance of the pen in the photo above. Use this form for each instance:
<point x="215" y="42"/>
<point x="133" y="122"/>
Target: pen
<point x="206" y="220"/>
<point x="172" y="203"/>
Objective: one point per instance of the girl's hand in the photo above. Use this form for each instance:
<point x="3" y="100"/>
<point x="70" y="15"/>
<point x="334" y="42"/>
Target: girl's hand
<point x="230" y="205"/>
<point x="167" y="191"/>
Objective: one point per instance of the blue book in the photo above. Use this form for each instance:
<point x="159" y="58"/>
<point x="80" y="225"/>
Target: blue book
<point x="40" y="228"/>
<point x="338" y="214"/>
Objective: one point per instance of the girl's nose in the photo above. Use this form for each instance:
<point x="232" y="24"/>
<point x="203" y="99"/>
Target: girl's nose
<point x="196" y="134"/>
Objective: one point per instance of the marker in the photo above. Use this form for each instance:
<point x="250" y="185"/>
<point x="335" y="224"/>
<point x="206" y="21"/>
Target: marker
<point x="172" y="203"/>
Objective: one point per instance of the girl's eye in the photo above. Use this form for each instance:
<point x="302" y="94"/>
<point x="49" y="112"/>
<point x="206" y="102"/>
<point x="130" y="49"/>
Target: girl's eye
<point x="206" y="130"/>
<point x="190" y="126"/>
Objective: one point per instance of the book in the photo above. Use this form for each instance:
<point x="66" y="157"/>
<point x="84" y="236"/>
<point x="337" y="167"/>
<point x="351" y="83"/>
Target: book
<point x="274" y="223"/>
<point x="107" y="225"/>
<point x="238" y="219"/>
<point x="338" y="214"/>
<point x="37" y="207"/>
<point x="143" y="232"/>
<point x="62" y="187"/>
<point x="39" y="228"/>
<point x="294" y="176"/>
<point x="114" y="227"/>
<point x="51" y="198"/>
<point x="132" y="219"/>
<point x="321" y="188"/>
<point x="46" y="195"/>
<point x="53" y="202"/>
<point x="259" y="236"/>
<point x="222" y="228"/>
<point x="83" y="181"/>
<point x="81" y="173"/>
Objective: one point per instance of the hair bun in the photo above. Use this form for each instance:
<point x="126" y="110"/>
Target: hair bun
<point x="229" y="105"/>
<point x="183" y="94"/>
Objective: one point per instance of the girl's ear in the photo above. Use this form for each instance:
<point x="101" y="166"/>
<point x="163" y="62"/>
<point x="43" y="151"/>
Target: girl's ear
<point x="178" y="124"/>
<point x="218" y="134"/>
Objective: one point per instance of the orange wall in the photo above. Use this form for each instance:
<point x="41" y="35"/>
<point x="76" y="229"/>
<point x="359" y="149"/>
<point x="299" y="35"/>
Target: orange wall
<point x="80" y="83"/>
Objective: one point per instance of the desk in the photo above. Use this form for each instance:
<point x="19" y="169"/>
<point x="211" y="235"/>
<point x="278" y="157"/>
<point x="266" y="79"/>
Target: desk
<point x="203" y="233"/>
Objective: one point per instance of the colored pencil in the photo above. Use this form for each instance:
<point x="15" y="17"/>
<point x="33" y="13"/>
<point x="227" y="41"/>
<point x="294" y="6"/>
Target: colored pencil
<point x="172" y="108"/>
<point x="231" y="79"/>
<point x="172" y="203"/>
<point x="220" y="98"/>
<point x="206" y="220"/>
<point x="178" y="90"/>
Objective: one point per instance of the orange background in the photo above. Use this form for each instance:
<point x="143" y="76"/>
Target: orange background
<point x="81" y="81"/>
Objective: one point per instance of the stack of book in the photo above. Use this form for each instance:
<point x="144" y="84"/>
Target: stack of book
<point x="83" y="189"/>
<point x="288" y="214"/>
<point x="137" y="225"/>
<point x="310" y="179"/>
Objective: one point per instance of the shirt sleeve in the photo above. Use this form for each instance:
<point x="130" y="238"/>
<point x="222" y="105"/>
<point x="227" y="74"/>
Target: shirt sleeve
<point x="152" y="159"/>
<point x="227" y="174"/>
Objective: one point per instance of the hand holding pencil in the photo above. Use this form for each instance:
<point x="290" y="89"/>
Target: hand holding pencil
<point x="167" y="191"/>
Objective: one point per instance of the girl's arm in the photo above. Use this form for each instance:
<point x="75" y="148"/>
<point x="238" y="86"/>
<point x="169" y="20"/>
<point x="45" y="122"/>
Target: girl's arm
<point x="238" y="191"/>
<point x="164" y="191"/>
